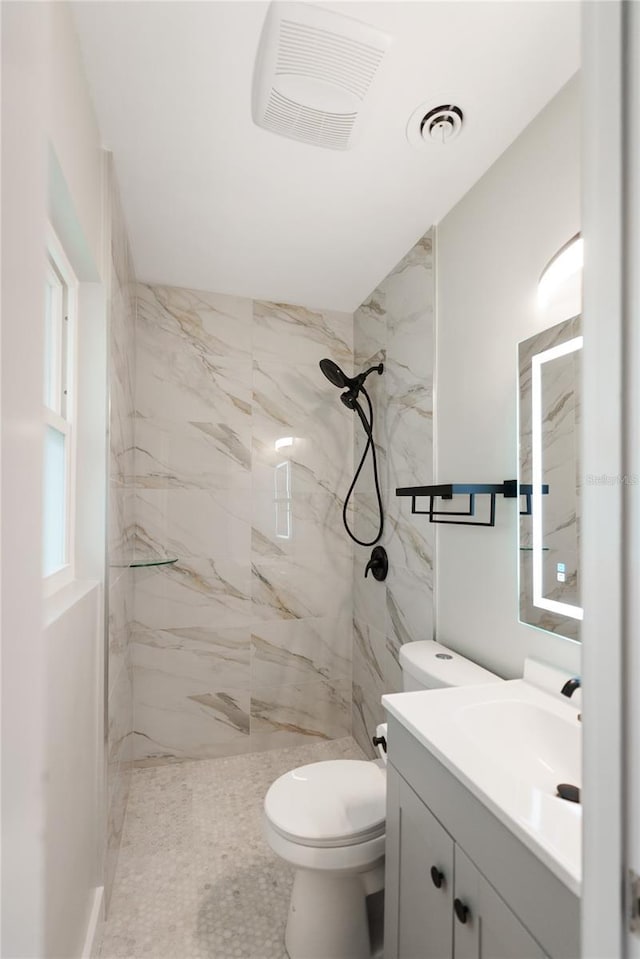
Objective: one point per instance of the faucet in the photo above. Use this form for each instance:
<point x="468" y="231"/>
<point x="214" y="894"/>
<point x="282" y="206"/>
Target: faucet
<point x="570" y="686"/>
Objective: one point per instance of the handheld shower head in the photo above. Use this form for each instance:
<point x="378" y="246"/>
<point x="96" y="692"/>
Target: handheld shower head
<point x="352" y="383"/>
<point x="334" y="374"/>
<point x="352" y="387"/>
<point x="351" y="402"/>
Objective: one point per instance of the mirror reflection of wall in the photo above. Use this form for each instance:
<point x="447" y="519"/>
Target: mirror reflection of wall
<point x="549" y="451"/>
<point x="559" y="452"/>
<point x="549" y="460"/>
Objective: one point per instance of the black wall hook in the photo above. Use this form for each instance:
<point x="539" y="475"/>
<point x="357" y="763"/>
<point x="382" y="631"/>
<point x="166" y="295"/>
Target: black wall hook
<point x="378" y="564"/>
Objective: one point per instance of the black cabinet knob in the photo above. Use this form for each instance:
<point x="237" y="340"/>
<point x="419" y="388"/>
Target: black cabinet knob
<point x="437" y="877"/>
<point x="461" y="911"/>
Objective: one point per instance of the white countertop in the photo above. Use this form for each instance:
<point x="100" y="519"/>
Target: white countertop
<point x="510" y="744"/>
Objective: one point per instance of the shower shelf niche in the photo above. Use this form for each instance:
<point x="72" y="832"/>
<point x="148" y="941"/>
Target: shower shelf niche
<point x="446" y="491"/>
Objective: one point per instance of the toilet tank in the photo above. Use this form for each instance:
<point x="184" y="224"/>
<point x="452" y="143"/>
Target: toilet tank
<point x="429" y="665"/>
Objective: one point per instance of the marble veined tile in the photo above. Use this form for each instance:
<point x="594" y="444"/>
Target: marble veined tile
<point x="369" y="596"/>
<point x="298" y="419"/>
<point x="409" y="539"/>
<point x="418" y="259"/>
<point x="194" y="592"/>
<point x="190" y="320"/>
<point x="370" y="331"/>
<point x="120" y="611"/>
<point x="408" y="289"/>
<point x="409" y="430"/>
<point x="366" y="521"/>
<point x="311" y="710"/>
<point x="191" y="455"/>
<point x="369" y="683"/>
<point x="193" y="523"/>
<point x="301" y="651"/>
<point x="291" y="394"/>
<point x="299" y="335"/>
<point x="409" y="614"/>
<point x="288" y="588"/>
<point x="308" y="526"/>
<point x="121" y="351"/>
<point x="120" y="717"/>
<point x="117" y="798"/>
<point x="117" y="538"/>
<point x="193" y="386"/>
<point x="122" y="263"/>
<point x="182" y="717"/>
<point x="220" y="655"/>
<point x="305" y="468"/>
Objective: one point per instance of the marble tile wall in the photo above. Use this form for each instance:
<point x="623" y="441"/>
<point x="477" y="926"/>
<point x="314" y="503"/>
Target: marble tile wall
<point x="395" y="326"/>
<point x="122" y="312"/>
<point x="241" y="448"/>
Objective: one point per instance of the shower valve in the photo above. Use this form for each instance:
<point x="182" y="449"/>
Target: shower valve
<point x="378" y="564"/>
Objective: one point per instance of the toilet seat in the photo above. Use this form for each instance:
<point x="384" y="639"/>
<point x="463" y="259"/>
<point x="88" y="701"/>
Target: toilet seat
<point x="328" y="805"/>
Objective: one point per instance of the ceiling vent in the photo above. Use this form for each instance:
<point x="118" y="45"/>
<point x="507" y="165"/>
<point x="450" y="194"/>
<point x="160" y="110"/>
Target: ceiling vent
<point x="313" y="71"/>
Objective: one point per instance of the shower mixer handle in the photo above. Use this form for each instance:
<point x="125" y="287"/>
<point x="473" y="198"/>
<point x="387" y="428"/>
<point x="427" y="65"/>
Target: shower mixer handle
<point x="378" y="564"/>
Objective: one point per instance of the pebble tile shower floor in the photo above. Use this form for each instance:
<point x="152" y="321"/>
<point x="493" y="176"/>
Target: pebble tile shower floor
<point x="195" y="878"/>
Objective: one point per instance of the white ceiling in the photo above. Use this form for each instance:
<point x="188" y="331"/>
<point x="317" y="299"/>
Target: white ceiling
<point x="215" y="203"/>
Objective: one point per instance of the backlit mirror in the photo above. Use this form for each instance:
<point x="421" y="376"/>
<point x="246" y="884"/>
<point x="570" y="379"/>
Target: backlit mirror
<point x="549" y="478"/>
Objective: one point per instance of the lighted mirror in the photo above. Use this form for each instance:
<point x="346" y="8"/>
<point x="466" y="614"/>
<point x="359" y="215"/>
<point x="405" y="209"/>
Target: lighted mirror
<point x="549" y="478"/>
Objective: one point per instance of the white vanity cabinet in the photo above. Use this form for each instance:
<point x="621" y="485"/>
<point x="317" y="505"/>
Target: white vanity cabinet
<point x="484" y="926"/>
<point x="422" y="873"/>
<point x="458" y="884"/>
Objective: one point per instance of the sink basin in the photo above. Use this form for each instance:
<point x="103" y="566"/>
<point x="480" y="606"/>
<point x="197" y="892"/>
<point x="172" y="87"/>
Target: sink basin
<point x="510" y="744"/>
<point x="532" y="742"/>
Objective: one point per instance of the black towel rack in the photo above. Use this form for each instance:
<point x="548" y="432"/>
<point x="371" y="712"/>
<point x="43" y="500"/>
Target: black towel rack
<point x="446" y="491"/>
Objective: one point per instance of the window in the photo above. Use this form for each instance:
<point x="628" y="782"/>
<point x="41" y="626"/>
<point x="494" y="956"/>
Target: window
<point x="60" y="300"/>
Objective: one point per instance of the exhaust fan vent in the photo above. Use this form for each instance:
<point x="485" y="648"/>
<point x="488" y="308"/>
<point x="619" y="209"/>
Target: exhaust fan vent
<point x="313" y="72"/>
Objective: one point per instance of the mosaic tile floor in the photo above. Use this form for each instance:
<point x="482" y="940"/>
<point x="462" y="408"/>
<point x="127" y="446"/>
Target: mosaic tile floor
<point x="195" y="879"/>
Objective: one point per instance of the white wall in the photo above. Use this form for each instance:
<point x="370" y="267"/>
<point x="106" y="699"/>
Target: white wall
<point x="24" y="51"/>
<point x="491" y="249"/>
<point x="74" y="730"/>
<point x="53" y="652"/>
<point x="73" y="808"/>
<point x="74" y="136"/>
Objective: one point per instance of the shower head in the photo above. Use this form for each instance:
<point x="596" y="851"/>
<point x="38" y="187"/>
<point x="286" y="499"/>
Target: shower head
<point x="353" y="383"/>
<point x="334" y="374"/>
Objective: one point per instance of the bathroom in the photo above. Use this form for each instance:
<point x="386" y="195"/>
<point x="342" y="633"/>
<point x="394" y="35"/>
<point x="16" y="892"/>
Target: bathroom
<point x="205" y="626"/>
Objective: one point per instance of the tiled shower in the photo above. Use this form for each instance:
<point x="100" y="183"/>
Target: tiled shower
<point x="232" y="468"/>
<point x="395" y="326"/>
<point x="244" y="643"/>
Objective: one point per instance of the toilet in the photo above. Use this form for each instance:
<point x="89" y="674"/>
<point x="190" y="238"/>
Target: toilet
<point x="327" y="820"/>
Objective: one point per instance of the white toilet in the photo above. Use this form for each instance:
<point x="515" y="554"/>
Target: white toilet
<point x="328" y="820"/>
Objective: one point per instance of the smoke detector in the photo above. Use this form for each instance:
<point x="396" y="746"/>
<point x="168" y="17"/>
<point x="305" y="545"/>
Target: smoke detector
<point x="436" y="126"/>
<point x="313" y="71"/>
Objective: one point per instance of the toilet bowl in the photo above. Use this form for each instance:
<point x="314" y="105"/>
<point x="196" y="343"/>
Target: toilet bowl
<point x="327" y="820"/>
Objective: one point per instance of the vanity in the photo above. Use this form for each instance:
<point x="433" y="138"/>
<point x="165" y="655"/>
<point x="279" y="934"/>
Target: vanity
<point x="482" y="857"/>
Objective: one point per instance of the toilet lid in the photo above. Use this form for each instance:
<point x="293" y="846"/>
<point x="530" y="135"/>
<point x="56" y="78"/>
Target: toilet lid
<point x="334" y="803"/>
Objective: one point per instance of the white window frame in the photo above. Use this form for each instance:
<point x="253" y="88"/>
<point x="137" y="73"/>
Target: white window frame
<point x="63" y="418"/>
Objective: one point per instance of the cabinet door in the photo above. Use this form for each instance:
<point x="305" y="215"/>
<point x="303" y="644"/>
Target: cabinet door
<point x="419" y="919"/>
<point x="488" y="929"/>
